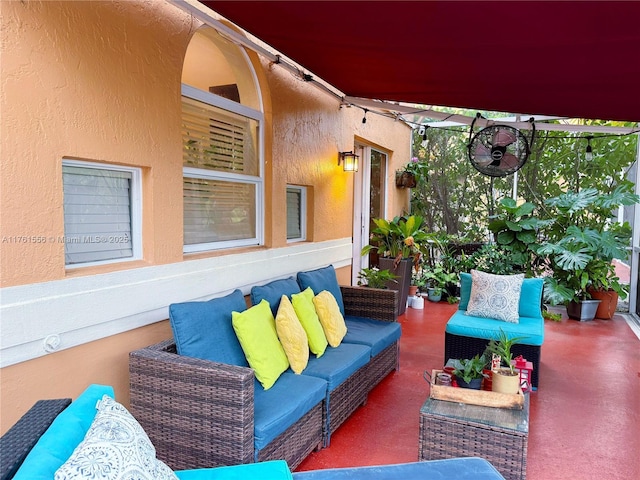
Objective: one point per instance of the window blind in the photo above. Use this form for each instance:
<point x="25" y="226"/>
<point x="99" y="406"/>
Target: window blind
<point x="218" y="211"/>
<point x="97" y="214"/>
<point x="294" y="213"/>
<point x="216" y="139"/>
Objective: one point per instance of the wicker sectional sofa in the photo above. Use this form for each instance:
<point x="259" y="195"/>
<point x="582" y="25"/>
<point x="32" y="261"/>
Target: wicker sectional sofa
<point x="203" y="412"/>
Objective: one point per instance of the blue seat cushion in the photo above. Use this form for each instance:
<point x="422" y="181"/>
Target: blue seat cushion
<point x="530" y="304"/>
<point x="376" y="334"/>
<point x="339" y="363"/>
<point x="204" y="329"/>
<point x="284" y="404"/>
<point x="272" y="292"/>
<point x="470" y="468"/>
<point x="272" y="470"/>
<point x="322" y="279"/>
<point x="532" y="329"/>
<point x="65" y="433"/>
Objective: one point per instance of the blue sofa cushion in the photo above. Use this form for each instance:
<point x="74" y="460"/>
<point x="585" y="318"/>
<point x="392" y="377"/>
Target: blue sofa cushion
<point x="272" y="470"/>
<point x="283" y="404"/>
<point x="530" y="295"/>
<point x="322" y="279"/>
<point x="532" y="329"/>
<point x="376" y="334"/>
<point x="470" y="468"/>
<point x="272" y="292"/>
<point x="338" y="364"/>
<point x="204" y="329"/>
<point x="65" y="433"/>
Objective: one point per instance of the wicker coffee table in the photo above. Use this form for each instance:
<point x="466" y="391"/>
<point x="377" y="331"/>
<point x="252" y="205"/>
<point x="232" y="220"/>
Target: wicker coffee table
<point x="499" y="435"/>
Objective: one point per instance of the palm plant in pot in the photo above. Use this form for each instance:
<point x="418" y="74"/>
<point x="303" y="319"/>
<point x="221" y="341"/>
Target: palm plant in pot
<point x="400" y="244"/>
<point x="505" y="379"/>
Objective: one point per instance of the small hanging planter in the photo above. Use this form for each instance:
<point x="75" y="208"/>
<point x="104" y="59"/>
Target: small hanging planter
<point x="405" y="180"/>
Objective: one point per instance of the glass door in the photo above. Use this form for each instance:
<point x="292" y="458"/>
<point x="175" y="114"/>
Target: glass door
<point x="369" y="202"/>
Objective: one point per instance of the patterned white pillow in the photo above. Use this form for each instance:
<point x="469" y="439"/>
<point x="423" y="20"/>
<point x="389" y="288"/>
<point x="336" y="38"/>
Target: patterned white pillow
<point x="114" y="448"/>
<point x="495" y="296"/>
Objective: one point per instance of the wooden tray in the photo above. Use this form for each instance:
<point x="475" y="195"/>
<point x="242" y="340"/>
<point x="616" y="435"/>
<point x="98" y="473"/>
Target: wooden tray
<point x="475" y="397"/>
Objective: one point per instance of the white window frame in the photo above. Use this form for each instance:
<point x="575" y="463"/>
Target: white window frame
<point x="303" y="213"/>
<point x="257" y="180"/>
<point x="135" y="205"/>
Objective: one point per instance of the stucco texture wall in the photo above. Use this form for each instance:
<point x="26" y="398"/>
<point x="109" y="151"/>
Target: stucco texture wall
<point x="101" y="81"/>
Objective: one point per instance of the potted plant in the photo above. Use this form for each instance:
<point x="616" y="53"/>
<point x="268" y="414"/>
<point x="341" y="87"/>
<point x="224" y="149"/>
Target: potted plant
<point x="399" y="243"/>
<point x="437" y="279"/>
<point x="581" y="245"/>
<point x="468" y="371"/>
<point x="505" y="379"/>
<point x="375" y="278"/>
<point x="412" y="174"/>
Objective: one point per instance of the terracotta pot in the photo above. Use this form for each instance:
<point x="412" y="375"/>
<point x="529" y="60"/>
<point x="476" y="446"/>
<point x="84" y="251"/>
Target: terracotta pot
<point x="503" y="381"/>
<point x="413" y="289"/>
<point x="608" y="303"/>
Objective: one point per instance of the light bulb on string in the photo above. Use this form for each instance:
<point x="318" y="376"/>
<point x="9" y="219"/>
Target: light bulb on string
<point x="588" y="154"/>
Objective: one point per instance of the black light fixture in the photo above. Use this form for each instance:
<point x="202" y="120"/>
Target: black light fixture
<point x="349" y="161"/>
<point x="588" y="153"/>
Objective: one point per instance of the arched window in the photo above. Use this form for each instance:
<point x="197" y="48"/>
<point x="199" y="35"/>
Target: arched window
<point x="222" y="146"/>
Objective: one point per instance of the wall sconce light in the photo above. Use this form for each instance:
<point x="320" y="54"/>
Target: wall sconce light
<point x="349" y="161"/>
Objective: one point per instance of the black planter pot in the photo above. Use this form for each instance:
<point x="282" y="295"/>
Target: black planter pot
<point x="473" y="384"/>
<point x="403" y="280"/>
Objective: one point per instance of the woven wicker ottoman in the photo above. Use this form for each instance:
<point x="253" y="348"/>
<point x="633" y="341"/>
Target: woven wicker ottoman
<point x="499" y="435"/>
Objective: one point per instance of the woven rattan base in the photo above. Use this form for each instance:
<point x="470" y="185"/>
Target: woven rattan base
<point x="449" y="430"/>
<point x="382" y="365"/>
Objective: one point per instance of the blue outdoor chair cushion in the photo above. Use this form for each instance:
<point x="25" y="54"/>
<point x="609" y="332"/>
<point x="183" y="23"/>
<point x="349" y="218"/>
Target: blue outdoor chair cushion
<point x="272" y="470"/>
<point x="531" y="329"/>
<point x="272" y="292"/>
<point x="338" y="364"/>
<point x="65" y="433"/>
<point x="204" y="329"/>
<point x="322" y="279"/>
<point x="283" y="404"/>
<point x="376" y="334"/>
<point x="530" y="295"/>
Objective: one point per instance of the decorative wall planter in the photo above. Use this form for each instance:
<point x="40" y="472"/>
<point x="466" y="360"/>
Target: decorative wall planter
<point x="401" y="284"/>
<point x="584" y="310"/>
<point x="405" y="180"/>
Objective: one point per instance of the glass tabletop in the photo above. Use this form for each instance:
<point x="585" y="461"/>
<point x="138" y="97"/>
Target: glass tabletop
<point x="503" y="418"/>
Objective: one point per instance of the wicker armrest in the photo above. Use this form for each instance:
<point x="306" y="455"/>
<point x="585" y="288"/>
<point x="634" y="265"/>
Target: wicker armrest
<point x="197" y="413"/>
<point x="18" y="441"/>
<point x="375" y="303"/>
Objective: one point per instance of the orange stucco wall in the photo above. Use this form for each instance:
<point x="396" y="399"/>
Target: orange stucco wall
<point x="101" y="81"/>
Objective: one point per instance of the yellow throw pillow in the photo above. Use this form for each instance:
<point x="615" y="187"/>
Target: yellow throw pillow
<point x="330" y="317"/>
<point x="303" y="305"/>
<point x="256" y="331"/>
<point x="292" y="336"/>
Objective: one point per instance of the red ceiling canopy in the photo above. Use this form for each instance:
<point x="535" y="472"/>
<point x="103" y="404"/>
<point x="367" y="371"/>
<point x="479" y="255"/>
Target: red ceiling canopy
<point x="567" y="58"/>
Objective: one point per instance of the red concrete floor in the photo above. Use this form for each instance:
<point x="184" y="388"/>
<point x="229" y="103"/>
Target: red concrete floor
<point x="584" y="418"/>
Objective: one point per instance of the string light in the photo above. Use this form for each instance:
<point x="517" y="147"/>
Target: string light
<point x="364" y="119"/>
<point x="588" y="154"/>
